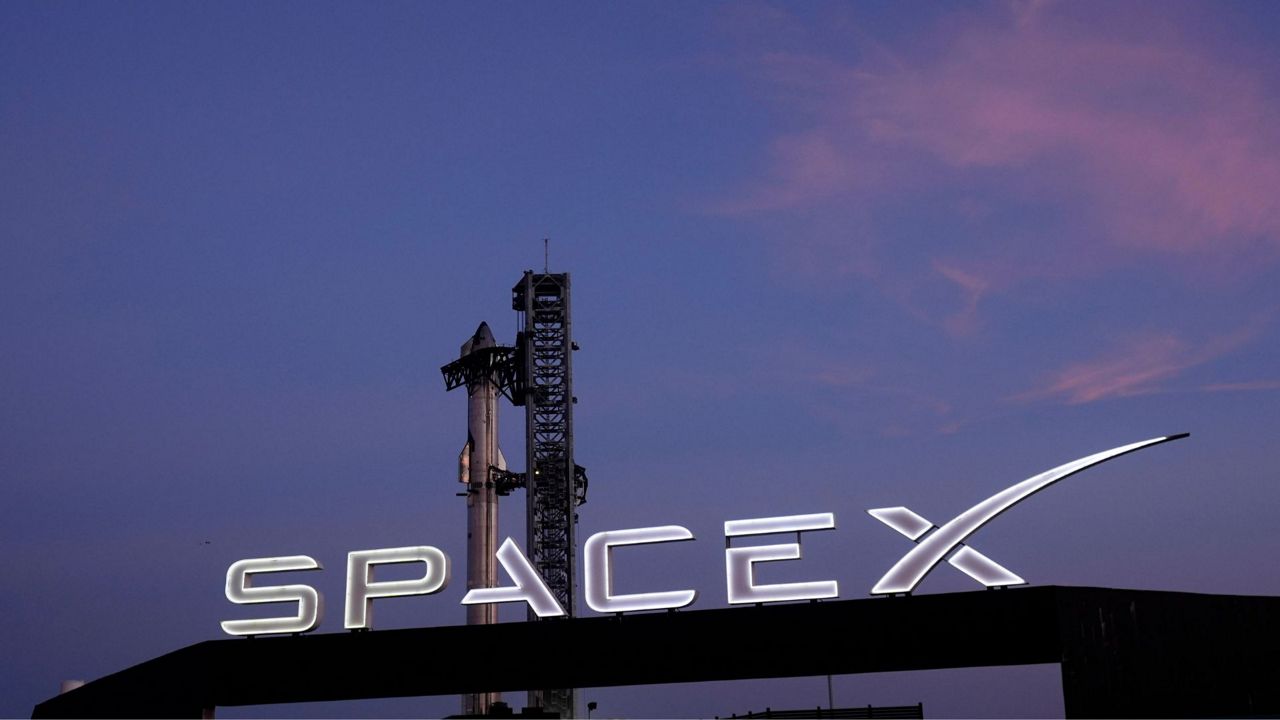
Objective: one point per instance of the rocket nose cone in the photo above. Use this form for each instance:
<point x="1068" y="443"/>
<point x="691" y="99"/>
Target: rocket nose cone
<point x="482" y="338"/>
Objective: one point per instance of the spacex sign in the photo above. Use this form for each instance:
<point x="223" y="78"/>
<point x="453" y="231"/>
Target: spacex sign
<point x="933" y="544"/>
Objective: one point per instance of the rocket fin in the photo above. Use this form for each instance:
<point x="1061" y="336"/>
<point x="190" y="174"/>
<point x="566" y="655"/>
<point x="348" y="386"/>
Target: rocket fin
<point x="464" y="462"/>
<point x="502" y="460"/>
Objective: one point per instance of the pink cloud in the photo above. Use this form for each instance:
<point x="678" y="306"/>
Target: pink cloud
<point x="1014" y="156"/>
<point x="973" y="287"/>
<point x="1252" y="386"/>
<point x="842" y="376"/>
<point x="1151" y="139"/>
<point x="1190" y="168"/>
<point x="1134" y="369"/>
<point x="1140" y="365"/>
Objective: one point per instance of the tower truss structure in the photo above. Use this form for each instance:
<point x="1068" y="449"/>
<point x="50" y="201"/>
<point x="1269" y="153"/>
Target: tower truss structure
<point x="554" y="484"/>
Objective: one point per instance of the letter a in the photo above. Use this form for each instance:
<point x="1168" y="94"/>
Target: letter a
<point x="529" y="586"/>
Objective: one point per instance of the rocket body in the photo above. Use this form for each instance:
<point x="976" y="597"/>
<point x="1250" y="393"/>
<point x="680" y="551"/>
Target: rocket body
<point x="478" y="454"/>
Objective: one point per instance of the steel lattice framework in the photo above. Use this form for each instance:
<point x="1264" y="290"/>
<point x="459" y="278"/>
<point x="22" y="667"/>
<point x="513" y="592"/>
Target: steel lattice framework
<point x="497" y="363"/>
<point x="555" y="484"/>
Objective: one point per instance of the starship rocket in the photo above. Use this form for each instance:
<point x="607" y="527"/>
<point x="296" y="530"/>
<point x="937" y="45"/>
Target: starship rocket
<point x="478" y="454"/>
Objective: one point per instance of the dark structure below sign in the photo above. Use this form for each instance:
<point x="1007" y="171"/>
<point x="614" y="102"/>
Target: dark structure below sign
<point x="1124" y="653"/>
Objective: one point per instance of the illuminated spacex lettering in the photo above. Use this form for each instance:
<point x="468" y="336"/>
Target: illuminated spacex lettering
<point x="240" y="590"/>
<point x="966" y="559"/>
<point x="904" y="576"/>
<point x="739" y="563"/>
<point x="361" y="589"/>
<point x="933" y="545"/>
<point x="598" y="571"/>
<point x="529" y="586"/>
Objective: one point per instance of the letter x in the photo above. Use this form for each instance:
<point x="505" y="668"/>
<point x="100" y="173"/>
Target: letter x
<point x="966" y="559"/>
<point x="932" y="547"/>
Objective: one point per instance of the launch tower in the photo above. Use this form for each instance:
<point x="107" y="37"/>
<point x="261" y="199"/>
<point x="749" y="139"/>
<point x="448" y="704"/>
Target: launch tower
<point x="538" y="375"/>
<point x="555" y="485"/>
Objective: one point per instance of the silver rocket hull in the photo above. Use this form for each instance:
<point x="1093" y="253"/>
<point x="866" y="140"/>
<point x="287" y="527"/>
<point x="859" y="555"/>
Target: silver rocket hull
<point x="478" y="454"/>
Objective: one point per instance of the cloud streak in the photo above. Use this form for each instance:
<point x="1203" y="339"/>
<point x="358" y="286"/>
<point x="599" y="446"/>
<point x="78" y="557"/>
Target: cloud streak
<point x="1252" y="386"/>
<point x="1140" y="365"/>
<point x="1145" y="139"/>
<point x="1077" y="192"/>
<point x="1135" y="368"/>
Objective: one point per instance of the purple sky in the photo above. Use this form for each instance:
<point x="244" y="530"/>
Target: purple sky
<point x="825" y="258"/>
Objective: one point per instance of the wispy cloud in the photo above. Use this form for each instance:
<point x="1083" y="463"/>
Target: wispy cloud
<point x="1143" y="143"/>
<point x="1253" y="386"/>
<point x="977" y="176"/>
<point x="1139" y="365"/>
<point x="1136" y="368"/>
<point x="1173" y="149"/>
<point x="842" y="376"/>
<point x="973" y="287"/>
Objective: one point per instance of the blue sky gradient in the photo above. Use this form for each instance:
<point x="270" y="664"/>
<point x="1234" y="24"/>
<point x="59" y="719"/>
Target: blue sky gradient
<point x="826" y="257"/>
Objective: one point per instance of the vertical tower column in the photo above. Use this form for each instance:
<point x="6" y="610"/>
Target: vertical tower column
<point x="555" y="484"/>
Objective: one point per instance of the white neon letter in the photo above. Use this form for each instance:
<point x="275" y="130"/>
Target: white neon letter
<point x="361" y="589"/>
<point x="598" y="570"/>
<point x="529" y="586"/>
<point x="240" y="591"/>
<point x="740" y="562"/>
<point x="907" y="573"/>
<point x="965" y="559"/>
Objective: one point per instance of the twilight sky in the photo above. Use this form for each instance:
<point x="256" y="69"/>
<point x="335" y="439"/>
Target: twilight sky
<point x="826" y="257"/>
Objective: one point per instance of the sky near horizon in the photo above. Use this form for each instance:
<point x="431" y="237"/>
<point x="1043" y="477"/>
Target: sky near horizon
<point x="826" y="257"/>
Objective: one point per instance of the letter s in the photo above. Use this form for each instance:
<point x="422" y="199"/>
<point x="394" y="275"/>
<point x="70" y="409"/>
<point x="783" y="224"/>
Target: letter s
<point x="240" y="591"/>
